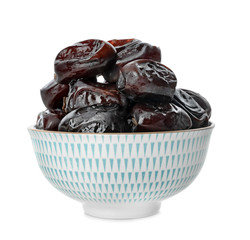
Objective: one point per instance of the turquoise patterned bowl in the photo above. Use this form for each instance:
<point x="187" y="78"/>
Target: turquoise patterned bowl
<point x="121" y="175"/>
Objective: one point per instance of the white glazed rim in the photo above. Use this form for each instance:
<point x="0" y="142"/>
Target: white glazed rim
<point x="211" y="126"/>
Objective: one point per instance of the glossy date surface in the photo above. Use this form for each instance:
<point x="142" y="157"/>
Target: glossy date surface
<point x="200" y="100"/>
<point x="47" y="120"/>
<point x="85" y="94"/>
<point x="147" y="80"/>
<point x="122" y="42"/>
<point x="53" y="93"/>
<point x="117" y="86"/>
<point x="88" y="58"/>
<point x="167" y="117"/>
<point x="197" y="114"/>
<point x="113" y="74"/>
<point x="131" y="49"/>
<point x="94" y="119"/>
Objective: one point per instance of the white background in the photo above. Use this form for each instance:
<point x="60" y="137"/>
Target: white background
<point x="206" y="44"/>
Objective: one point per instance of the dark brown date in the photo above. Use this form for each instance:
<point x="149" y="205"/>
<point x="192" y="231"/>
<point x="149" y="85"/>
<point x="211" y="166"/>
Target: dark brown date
<point x="131" y="49"/>
<point x="197" y="114"/>
<point x="47" y="120"/>
<point x="121" y="42"/>
<point x="167" y="117"/>
<point x="201" y="101"/>
<point x="117" y="86"/>
<point x="113" y="74"/>
<point x="147" y="80"/>
<point x="93" y="120"/>
<point x="53" y="93"/>
<point x="84" y="59"/>
<point x="85" y="94"/>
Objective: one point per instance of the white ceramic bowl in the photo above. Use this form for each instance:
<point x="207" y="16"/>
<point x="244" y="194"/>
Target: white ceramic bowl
<point x="121" y="175"/>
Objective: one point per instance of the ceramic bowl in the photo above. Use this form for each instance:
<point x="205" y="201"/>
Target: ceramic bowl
<point x="121" y="175"/>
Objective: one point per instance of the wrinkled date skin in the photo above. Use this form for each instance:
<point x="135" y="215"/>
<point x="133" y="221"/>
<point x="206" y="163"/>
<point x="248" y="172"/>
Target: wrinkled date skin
<point x="147" y="80"/>
<point x="131" y="49"/>
<point x="47" y="120"/>
<point x="93" y="120"/>
<point x="117" y="86"/>
<point x="167" y="117"/>
<point x="85" y="94"/>
<point x="201" y="101"/>
<point x="84" y="59"/>
<point x="53" y="93"/>
<point x="197" y="114"/>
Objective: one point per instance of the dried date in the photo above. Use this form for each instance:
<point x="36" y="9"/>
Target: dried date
<point x="84" y="59"/>
<point x="94" y="119"/>
<point x="47" y="120"/>
<point x="53" y="93"/>
<point x="167" y="117"/>
<point x="197" y="114"/>
<point x="131" y="49"/>
<point x="85" y="94"/>
<point x="147" y="80"/>
<point x="201" y="101"/>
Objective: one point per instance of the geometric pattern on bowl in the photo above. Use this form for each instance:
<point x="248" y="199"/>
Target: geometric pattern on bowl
<point x="121" y="168"/>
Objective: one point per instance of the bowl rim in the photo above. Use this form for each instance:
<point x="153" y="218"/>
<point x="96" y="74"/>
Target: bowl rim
<point x="211" y="126"/>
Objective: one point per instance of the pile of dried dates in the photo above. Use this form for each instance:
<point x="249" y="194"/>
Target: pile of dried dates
<point x="138" y="93"/>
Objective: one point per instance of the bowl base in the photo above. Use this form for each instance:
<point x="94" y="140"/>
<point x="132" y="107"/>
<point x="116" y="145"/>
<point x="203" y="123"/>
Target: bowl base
<point x="121" y="211"/>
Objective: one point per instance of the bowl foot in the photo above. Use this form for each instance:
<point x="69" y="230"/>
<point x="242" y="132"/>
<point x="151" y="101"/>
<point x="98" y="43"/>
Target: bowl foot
<point x="121" y="211"/>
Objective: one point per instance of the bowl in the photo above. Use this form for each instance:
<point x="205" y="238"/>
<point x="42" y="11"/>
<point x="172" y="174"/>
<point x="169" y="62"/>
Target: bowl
<point x="121" y="175"/>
